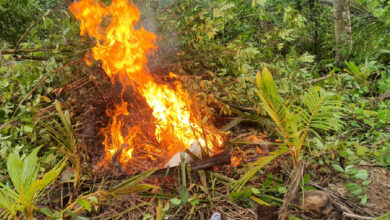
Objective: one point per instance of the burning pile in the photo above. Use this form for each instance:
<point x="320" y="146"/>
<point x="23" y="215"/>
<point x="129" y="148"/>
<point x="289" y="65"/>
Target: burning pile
<point x="122" y="49"/>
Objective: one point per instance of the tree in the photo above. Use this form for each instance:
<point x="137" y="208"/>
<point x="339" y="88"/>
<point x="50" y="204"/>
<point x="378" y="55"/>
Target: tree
<point x="342" y="28"/>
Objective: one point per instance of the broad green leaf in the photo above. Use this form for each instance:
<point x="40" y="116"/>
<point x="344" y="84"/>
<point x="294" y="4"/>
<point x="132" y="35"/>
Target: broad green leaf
<point x="46" y="179"/>
<point x="30" y="170"/>
<point x="15" y="171"/>
<point x="366" y="182"/>
<point x="361" y="174"/>
<point x="363" y="200"/>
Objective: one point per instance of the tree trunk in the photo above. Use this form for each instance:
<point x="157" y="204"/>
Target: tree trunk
<point x="313" y="17"/>
<point x="342" y="29"/>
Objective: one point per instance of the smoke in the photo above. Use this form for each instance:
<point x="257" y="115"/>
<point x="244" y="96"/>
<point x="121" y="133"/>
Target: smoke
<point x="167" y="41"/>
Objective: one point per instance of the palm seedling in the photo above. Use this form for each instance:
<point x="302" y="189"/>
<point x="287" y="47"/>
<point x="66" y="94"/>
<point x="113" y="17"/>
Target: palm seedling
<point x="67" y="142"/>
<point x="319" y="111"/>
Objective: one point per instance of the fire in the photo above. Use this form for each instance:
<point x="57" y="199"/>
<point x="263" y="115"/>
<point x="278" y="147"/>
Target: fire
<point x="123" y="50"/>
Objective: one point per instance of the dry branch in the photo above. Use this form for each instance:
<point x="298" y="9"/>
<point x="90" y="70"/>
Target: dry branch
<point x="31" y="50"/>
<point x="354" y="216"/>
<point x="219" y="159"/>
<point x="40" y="58"/>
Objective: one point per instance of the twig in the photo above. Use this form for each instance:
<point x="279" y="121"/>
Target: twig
<point x="30" y="57"/>
<point x="317" y="80"/>
<point x="115" y="156"/>
<point x="39" y="20"/>
<point x="44" y="79"/>
<point x="354" y="216"/>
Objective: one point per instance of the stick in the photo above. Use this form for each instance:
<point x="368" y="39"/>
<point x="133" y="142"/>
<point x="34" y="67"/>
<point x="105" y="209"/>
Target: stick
<point x="354" y="216"/>
<point x="31" y="50"/>
<point x="30" y="57"/>
<point x="317" y="80"/>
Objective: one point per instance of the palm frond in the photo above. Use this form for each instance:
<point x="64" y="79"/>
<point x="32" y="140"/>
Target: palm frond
<point x="323" y="108"/>
<point x="256" y="166"/>
<point x="272" y="102"/>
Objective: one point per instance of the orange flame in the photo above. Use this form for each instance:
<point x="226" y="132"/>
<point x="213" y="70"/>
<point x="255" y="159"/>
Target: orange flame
<point x="122" y="50"/>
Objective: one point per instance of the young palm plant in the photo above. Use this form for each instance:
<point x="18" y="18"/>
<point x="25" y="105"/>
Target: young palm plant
<point x="67" y="142"/>
<point x="319" y="111"/>
<point x="27" y="186"/>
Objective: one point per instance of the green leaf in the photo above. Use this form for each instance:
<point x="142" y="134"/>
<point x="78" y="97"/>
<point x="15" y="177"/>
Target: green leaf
<point x="354" y="189"/>
<point x="15" y="171"/>
<point x="30" y="170"/>
<point x="93" y="199"/>
<point x="282" y="189"/>
<point x="338" y="168"/>
<point x="255" y="191"/>
<point x="184" y="195"/>
<point x="363" y="200"/>
<point x="175" y="201"/>
<point x="360" y="174"/>
<point x="306" y="178"/>
<point x="28" y="128"/>
<point x="46" y="179"/>
<point x="84" y="203"/>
